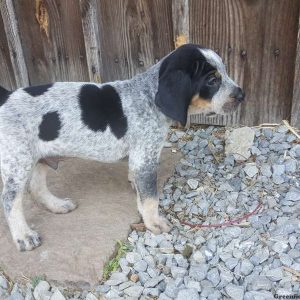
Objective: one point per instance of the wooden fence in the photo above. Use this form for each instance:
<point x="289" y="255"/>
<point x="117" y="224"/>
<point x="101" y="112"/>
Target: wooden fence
<point x="44" y="41"/>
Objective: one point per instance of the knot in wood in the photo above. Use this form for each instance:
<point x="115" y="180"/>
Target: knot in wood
<point x="243" y="53"/>
<point x="276" y="52"/>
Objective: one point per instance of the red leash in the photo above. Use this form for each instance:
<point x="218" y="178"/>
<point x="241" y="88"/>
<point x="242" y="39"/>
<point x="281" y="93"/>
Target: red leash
<point x="228" y="223"/>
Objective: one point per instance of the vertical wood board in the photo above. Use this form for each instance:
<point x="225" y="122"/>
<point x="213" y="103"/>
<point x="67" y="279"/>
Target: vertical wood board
<point x="91" y="33"/>
<point x="180" y="16"/>
<point x="11" y="28"/>
<point x="295" y="112"/>
<point x="7" y="78"/>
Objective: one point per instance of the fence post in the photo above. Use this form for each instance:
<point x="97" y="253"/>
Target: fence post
<point x="181" y="28"/>
<point x="91" y="35"/>
<point x="180" y="16"/>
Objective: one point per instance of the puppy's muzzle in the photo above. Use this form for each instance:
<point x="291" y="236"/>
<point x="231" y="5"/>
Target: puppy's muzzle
<point x="238" y="94"/>
<point x="236" y="97"/>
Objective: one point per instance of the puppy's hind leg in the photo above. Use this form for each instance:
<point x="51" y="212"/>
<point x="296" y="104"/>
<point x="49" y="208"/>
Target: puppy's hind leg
<point x="39" y="190"/>
<point x="16" y="171"/>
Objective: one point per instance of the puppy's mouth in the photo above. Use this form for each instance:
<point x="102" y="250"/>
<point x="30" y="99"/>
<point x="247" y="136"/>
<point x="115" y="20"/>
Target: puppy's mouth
<point x="230" y="106"/>
<point x="211" y="114"/>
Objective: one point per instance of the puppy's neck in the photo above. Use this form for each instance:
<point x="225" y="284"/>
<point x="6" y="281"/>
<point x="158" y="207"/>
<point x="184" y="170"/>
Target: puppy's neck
<point x="147" y="82"/>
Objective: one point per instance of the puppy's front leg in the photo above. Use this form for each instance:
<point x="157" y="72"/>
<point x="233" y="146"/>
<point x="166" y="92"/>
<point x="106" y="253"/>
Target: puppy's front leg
<point x="145" y="178"/>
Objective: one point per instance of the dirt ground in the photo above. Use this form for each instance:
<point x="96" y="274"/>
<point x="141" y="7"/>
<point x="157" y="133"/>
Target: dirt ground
<point x="76" y="245"/>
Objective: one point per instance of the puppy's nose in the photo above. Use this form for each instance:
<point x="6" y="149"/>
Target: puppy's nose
<point x="238" y="94"/>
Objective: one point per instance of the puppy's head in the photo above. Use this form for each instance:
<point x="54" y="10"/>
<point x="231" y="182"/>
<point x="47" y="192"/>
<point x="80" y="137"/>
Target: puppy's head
<point x="195" y="77"/>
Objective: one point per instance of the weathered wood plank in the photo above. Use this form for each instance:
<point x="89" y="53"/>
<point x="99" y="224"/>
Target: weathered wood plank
<point x="295" y="111"/>
<point x="257" y="42"/>
<point x="53" y="47"/>
<point x="134" y="35"/>
<point x="91" y="33"/>
<point x="180" y="17"/>
<point x="7" y="78"/>
<point x="219" y="25"/>
<point x="10" y="26"/>
<point x="269" y="70"/>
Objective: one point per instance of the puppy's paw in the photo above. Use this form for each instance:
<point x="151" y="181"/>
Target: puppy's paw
<point x="64" y="206"/>
<point x="164" y="224"/>
<point x="158" y="224"/>
<point x="59" y="206"/>
<point x="28" y="241"/>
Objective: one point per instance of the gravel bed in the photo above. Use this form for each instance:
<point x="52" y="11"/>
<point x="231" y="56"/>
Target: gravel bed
<point x="255" y="259"/>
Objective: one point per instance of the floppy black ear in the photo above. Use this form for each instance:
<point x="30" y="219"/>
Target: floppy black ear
<point x="174" y="95"/>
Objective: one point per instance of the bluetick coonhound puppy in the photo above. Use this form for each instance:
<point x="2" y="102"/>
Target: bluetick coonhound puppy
<point x="104" y="122"/>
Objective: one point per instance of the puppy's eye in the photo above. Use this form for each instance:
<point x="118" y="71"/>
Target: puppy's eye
<point x="212" y="80"/>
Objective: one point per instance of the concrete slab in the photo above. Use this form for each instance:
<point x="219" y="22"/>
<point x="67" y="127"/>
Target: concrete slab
<point x="76" y="245"/>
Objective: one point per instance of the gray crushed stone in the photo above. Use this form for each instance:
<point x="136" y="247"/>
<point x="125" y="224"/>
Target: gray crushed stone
<point x="211" y="184"/>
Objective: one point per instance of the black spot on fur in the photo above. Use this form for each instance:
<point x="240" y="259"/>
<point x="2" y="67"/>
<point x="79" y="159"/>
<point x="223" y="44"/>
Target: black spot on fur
<point x="50" y="126"/>
<point x="4" y="94"/>
<point x="38" y="90"/>
<point x="102" y="107"/>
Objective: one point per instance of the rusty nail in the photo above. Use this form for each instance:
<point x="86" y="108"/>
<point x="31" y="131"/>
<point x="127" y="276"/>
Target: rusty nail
<point x="141" y="63"/>
<point x="93" y="69"/>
